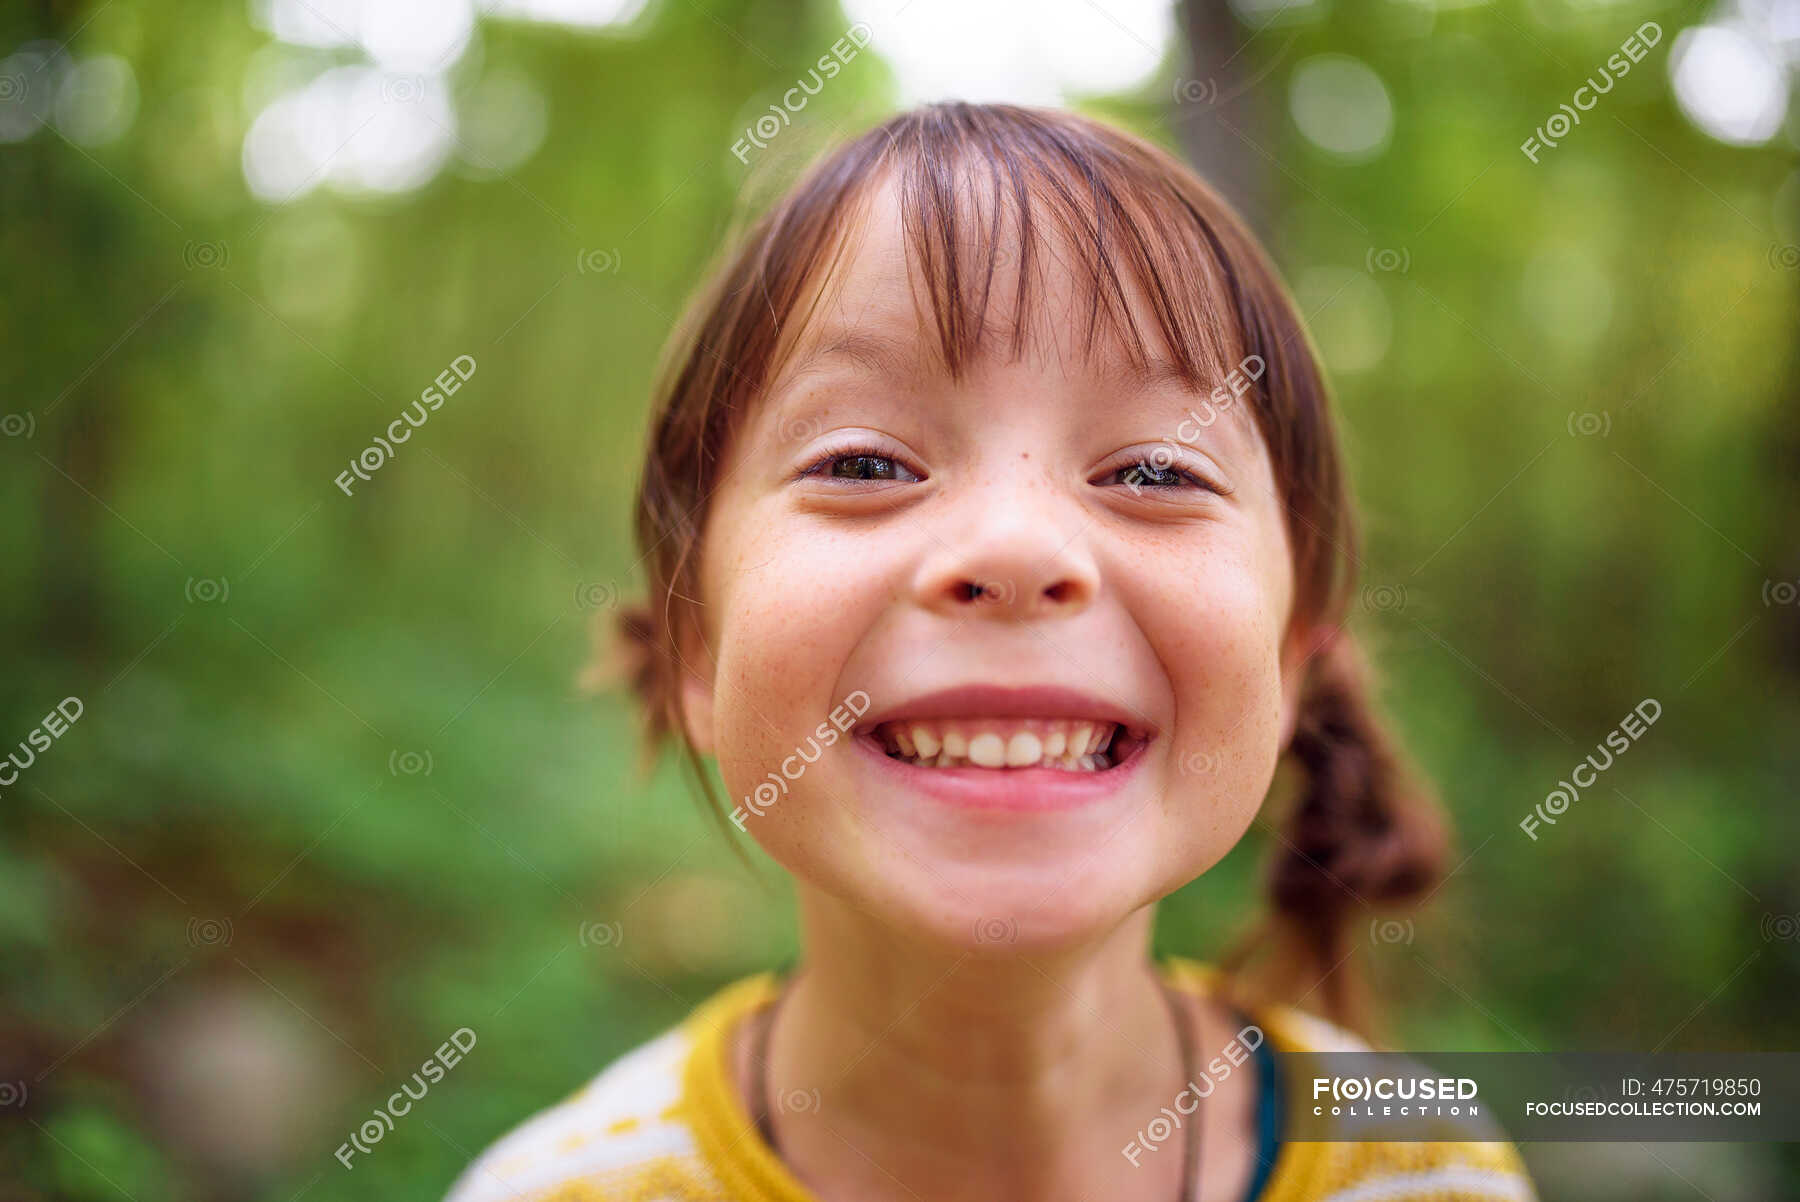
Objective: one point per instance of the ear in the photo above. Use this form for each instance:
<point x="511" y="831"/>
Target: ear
<point x="694" y="682"/>
<point x="1304" y="644"/>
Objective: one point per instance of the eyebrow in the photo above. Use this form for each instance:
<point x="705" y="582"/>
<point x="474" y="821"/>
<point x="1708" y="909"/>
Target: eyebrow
<point x="877" y="353"/>
<point x="1154" y="372"/>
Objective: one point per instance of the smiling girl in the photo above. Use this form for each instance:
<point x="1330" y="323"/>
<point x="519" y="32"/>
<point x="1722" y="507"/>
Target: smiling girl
<point x="996" y="529"/>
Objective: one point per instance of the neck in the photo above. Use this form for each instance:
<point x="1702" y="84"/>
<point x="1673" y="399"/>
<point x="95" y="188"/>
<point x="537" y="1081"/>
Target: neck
<point x="950" y="1075"/>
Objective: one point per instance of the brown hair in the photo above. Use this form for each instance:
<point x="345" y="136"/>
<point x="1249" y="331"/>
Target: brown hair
<point x="1362" y="831"/>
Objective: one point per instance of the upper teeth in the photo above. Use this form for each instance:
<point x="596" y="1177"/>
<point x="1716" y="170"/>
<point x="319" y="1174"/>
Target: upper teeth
<point x="1001" y="742"/>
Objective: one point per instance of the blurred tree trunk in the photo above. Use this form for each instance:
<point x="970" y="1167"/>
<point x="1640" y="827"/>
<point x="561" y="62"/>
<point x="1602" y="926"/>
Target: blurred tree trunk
<point x="1219" y="114"/>
<point x="72" y="565"/>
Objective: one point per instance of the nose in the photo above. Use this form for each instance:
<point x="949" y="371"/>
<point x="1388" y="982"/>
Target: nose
<point x="1007" y="560"/>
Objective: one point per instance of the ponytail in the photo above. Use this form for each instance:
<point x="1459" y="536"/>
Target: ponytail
<point x="630" y="652"/>
<point x="1364" y="834"/>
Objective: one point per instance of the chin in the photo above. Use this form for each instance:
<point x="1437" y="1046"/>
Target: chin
<point x="1007" y="906"/>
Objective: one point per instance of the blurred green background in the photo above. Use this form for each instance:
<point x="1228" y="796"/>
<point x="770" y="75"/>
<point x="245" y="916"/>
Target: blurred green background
<point x="334" y="793"/>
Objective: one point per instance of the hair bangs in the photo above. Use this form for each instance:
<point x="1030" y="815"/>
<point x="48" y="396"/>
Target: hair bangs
<point x="993" y="205"/>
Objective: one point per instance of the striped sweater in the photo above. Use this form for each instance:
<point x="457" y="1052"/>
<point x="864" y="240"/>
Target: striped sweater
<point x="665" y="1124"/>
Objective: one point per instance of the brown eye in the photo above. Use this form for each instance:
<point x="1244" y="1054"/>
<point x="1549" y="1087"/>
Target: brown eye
<point x="865" y="467"/>
<point x="1148" y="475"/>
<point x="862" y="465"/>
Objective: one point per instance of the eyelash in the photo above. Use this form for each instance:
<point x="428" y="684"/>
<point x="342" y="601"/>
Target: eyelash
<point x="821" y="466"/>
<point x="1144" y="461"/>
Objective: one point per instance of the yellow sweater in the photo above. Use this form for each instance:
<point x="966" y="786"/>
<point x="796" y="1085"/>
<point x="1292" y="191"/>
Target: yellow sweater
<point x="664" y="1124"/>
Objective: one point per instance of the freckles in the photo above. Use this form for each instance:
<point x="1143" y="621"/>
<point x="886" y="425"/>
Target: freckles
<point x="787" y="625"/>
<point x="1224" y="659"/>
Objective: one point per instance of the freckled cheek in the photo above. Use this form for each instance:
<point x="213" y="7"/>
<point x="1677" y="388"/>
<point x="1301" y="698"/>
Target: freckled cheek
<point x="791" y="611"/>
<point x="1220" y="641"/>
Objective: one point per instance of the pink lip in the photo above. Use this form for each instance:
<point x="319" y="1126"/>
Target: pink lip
<point x="1000" y="701"/>
<point x="1026" y="790"/>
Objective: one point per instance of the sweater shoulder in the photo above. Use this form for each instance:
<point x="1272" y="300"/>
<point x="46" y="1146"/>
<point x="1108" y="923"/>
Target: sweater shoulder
<point x="602" y="1141"/>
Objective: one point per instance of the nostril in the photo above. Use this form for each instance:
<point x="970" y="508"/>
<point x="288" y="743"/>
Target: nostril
<point x="988" y="592"/>
<point x="1006" y="594"/>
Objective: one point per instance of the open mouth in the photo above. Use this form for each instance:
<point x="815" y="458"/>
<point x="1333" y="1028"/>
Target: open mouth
<point x="1060" y="744"/>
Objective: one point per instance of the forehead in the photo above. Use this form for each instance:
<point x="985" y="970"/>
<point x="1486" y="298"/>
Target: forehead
<point x="898" y="301"/>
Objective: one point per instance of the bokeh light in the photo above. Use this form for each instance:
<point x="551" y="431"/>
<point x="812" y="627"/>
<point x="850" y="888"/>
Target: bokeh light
<point x="358" y="127"/>
<point x="1341" y="106"/>
<point x="950" y="48"/>
<point x="96" y="100"/>
<point x="1729" y="84"/>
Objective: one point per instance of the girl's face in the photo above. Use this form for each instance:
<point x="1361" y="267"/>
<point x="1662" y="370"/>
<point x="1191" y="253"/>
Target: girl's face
<point x="976" y="568"/>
